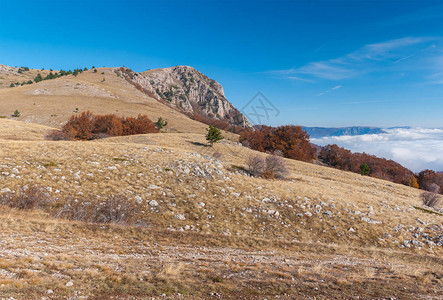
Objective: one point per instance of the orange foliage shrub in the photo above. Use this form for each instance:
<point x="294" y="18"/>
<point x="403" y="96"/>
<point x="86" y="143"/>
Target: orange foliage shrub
<point x="290" y="140"/>
<point x="80" y="127"/>
<point x="86" y="126"/>
<point x="139" y="125"/>
<point x="343" y="159"/>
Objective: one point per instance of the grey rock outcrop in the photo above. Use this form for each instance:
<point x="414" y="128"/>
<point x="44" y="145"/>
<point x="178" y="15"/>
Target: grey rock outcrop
<point x="187" y="89"/>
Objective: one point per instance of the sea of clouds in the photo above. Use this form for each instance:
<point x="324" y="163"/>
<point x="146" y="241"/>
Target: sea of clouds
<point x="414" y="148"/>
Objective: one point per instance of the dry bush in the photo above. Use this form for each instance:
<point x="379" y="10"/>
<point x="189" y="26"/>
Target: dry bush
<point x="26" y="198"/>
<point x="276" y="166"/>
<point x="217" y="155"/>
<point x="433" y="188"/>
<point x="430" y="199"/>
<point x="273" y="166"/>
<point x="57" y="135"/>
<point x="115" y="209"/>
<point x="256" y="165"/>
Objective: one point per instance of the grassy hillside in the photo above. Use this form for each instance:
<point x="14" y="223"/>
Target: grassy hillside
<point x="52" y="102"/>
<point x="204" y="227"/>
<point x="10" y="75"/>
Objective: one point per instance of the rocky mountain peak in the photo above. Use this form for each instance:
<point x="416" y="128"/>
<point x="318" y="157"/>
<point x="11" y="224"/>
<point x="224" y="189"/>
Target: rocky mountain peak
<point x="189" y="90"/>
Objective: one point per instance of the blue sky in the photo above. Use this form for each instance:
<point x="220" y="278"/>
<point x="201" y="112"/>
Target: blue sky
<point x="320" y="63"/>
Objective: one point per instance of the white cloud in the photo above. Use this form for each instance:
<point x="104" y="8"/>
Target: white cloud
<point x="330" y="90"/>
<point x="369" y="58"/>
<point x="414" y="148"/>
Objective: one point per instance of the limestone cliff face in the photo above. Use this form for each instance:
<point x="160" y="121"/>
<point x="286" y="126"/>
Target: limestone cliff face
<point x="189" y="90"/>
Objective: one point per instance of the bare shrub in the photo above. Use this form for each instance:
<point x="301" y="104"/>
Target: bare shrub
<point x="433" y="188"/>
<point x="115" y="209"/>
<point x="57" y="135"/>
<point x="256" y="165"/>
<point x="430" y="199"/>
<point x="217" y="155"/>
<point x="273" y="166"/>
<point x="26" y="198"/>
<point x="276" y="166"/>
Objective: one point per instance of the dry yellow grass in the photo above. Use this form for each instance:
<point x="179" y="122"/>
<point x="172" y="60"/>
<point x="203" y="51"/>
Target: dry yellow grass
<point x="9" y="77"/>
<point x="20" y="131"/>
<point x="235" y="243"/>
<point x="52" y="102"/>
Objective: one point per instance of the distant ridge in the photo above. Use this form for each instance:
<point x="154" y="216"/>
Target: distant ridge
<point x="319" y="132"/>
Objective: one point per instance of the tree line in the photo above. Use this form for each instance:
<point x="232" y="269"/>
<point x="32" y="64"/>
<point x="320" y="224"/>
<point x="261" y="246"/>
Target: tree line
<point x="50" y="76"/>
<point x="293" y="142"/>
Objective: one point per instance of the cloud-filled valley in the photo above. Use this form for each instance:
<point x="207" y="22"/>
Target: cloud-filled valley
<point x="414" y="148"/>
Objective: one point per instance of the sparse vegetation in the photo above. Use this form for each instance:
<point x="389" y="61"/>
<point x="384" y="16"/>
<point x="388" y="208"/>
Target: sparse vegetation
<point x="25" y="198"/>
<point x="214" y="135"/>
<point x="143" y="216"/>
<point x="16" y="114"/>
<point x="276" y="167"/>
<point x="256" y="165"/>
<point x="273" y="166"/>
<point x="38" y="78"/>
<point x="290" y="140"/>
<point x="364" y="169"/>
<point x="87" y="126"/>
<point x="343" y="159"/>
<point x="161" y="123"/>
<point x="431" y="199"/>
<point x="116" y="209"/>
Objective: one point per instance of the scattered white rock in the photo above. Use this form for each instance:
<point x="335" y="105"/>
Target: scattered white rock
<point x="153" y="203"/>
<point x="180" y="217"/>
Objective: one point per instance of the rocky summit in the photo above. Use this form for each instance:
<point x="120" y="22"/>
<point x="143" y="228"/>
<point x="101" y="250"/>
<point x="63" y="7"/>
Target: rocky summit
<point x="189" y="90"/>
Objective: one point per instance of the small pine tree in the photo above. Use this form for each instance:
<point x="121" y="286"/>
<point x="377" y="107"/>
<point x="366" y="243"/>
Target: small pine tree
<point x="12" y="85"/>
<point x="161" y="123"/>
<point x="16" y="114"/>
<point x="95" y="70"/>
<point x="38" y="78"/>
<point x="214" y="135"/>
<point x="365" y="170"/>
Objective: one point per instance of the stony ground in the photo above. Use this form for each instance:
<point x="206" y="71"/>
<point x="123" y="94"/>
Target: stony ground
<point x="207" y="229"/>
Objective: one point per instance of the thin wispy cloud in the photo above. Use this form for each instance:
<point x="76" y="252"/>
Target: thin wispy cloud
<point x="367" y="59"/>
<point x="330" y="90"/>
<point x="300" y="79"/>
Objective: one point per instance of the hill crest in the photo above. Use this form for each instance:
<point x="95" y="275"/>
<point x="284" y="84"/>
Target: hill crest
<point x="189" y="90"/>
